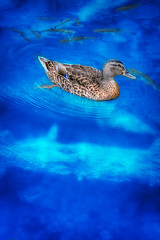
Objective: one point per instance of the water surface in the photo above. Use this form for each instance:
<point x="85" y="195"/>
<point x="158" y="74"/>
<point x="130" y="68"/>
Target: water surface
<point x="72" y="168"/>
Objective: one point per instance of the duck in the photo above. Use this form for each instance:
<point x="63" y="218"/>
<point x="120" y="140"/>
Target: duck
<point x="86" y="81"/>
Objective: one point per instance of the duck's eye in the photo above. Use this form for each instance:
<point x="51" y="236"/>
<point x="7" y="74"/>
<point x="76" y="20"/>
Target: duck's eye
<point x="114" y="65"/>
<point x="120" y="66"/>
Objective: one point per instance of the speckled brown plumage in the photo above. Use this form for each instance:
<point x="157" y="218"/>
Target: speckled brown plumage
<point x="86" y="81"/>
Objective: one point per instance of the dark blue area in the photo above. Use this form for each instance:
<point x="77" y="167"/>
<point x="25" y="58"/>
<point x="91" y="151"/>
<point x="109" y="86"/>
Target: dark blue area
<point x="36" y="205"/>
<point x="71" y="168"/>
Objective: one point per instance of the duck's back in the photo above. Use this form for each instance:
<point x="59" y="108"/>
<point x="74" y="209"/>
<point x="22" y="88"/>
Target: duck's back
<point x="77" y="79"/>
<point x="83" y="74"/>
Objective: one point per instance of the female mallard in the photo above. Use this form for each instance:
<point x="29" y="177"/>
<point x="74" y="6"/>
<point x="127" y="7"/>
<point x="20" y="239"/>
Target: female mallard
<point x="86" y="81"/>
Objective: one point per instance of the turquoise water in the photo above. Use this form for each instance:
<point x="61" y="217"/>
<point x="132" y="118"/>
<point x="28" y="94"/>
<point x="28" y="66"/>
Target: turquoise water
<point x="72" y="168"/>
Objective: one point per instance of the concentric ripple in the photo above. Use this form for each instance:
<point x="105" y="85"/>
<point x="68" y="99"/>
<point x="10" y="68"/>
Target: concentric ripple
<point x="24" y="74"/>
<point x="22" y="89"/>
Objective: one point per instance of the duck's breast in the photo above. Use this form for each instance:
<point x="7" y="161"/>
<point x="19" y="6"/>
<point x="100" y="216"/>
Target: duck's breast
<point x="108" y="91"/>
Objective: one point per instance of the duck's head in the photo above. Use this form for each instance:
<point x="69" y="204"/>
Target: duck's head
<point x="114" y="68"/>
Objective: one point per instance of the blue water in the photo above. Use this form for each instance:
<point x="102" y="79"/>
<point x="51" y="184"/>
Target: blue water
<point x="72" y="168"/>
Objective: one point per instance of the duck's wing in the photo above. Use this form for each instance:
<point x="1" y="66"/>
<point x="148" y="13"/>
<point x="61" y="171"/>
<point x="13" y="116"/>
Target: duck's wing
<point x="82" y="75"/>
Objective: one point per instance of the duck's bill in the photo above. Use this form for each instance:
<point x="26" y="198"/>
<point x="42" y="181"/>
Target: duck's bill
<point x="129" y="75"/>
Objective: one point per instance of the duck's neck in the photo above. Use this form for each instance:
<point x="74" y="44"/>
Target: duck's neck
<point x="110" y="82"/>
<point x="107" y="79"/>
<point x="107" y="76"/>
